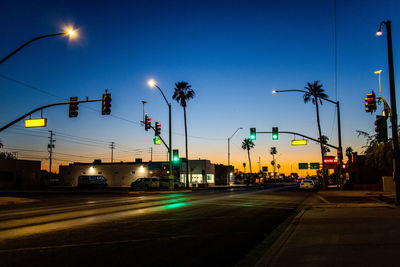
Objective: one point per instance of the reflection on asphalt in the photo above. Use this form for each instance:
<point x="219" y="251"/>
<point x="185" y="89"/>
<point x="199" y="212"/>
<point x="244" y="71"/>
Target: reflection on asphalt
<point x="42" y="219"/>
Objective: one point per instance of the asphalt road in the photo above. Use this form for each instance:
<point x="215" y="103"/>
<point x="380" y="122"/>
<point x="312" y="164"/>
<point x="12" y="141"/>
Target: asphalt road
<point x="181" y="229"/>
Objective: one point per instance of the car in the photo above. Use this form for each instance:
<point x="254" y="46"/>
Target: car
<point x="164" y="183"/>
<point x="91" y="181"/>
<point x="307" y="184"/>
<point x="146" y="183"/>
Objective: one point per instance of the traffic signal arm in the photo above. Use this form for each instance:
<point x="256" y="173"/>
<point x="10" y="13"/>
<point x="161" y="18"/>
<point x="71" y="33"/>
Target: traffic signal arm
<point x="165" y="144"/>
<point x="302" y="135"/>
<point x="44" y="107"/>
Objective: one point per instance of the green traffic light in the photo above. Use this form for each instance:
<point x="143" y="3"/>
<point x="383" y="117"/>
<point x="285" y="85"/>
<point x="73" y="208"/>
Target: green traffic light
<point x="275" y="133"/>
<point x="176" y="158"/>
<point x="252" y="137"/>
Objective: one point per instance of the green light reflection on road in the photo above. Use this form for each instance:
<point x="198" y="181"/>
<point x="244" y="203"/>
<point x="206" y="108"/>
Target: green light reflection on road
<point x="174" y="200"/>
<point x="175" y="205"/>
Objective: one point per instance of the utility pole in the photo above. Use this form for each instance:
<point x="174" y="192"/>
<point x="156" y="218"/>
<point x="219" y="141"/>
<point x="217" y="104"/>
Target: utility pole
<point x="259" y="164"/>
<point x="50" y="147"/>
<point x="112" y="151"/>
<point x="151" y="153"/>
<point x="393" y="107"/>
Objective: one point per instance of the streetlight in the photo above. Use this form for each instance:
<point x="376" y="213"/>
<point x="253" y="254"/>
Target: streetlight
<point x="152" y="83"/>
<point x="395" y="140"/>
<point x="229" y="140"/>
<point x="339" y="128"/>
<point x="68" y="31"/>
<point x="380" y="88"/>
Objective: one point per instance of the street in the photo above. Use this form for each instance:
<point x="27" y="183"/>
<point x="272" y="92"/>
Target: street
<point x="199" y="228"/>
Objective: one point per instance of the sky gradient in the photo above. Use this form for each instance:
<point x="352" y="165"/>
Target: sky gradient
<point x="233" y="53"/>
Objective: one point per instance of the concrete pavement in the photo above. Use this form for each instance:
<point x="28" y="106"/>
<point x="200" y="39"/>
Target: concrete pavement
<point x="339" y="228"/>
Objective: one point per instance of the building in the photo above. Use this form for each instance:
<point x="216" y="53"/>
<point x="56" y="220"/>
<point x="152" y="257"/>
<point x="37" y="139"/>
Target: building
<point x="15" y="173"/>
<point x="223" y="174"/>
<point x="124" y="173"/>
<point x="116" y="173"/>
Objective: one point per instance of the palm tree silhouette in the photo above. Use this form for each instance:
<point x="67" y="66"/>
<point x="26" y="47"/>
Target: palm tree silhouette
<point x="183" y="92"/>
<point x="248" y="144"/>
<point x="314" y="94"/>
<point x="273" y="152"/>
<point x="325" y="141"/>
<point x="349" y="153"/>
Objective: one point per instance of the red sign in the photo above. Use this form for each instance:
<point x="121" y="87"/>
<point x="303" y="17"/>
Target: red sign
<point x="331" y="159"/>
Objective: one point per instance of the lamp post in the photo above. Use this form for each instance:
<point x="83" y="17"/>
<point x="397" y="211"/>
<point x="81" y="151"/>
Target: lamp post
<point x="69" y="32"/>
<point x="395" y="137"/>
<point x="152" y="83"/>
<point x="339" y="128"/>
<point x="229" y="147"/>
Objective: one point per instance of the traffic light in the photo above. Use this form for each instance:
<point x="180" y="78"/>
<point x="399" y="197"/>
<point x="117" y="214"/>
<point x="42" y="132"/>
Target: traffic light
<point x="340" y="153"/>
<point x="381" y="129"/>
<point x="175" y="155"/>
<point x="106" y="104"/>
<point x="253" y="133"/>
<point x="73" y="107"/>
<point x="275" y="135"/>
<point x="370" y="102"/>
<point x="158" y="129"/>
<point x="147" y="122"/>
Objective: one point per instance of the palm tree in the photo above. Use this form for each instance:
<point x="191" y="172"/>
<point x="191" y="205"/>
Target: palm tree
<point x="183" y="92"/>
<point x="314" y="94"/>
<point x="325" y="141"/>
<point x="273" y="152"/>
<point x="248" y="144"/>
<point x="349" y="153"/>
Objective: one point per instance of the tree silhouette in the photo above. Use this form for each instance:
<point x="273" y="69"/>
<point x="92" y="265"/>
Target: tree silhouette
<point x="314" y="94"/>
<point x="248" y="144"/>
<point x="184" y="92"/>
<point x="349" y="153"/>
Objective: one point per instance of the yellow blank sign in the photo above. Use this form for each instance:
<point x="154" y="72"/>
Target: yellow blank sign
<point x="36" y="123"/>
<point x="299" y="142"/>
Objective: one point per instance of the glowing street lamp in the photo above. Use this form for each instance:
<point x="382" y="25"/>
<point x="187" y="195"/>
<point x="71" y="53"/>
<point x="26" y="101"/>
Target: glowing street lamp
<point x="68" y="31"/>
<point x="152" y="83"/>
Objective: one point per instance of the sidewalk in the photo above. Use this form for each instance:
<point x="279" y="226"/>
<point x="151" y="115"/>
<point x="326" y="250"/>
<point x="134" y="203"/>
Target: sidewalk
<point x="340" y="228"/>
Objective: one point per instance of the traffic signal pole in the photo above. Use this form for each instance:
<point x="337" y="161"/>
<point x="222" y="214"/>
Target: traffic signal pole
<point x="44" y="107"/>
<point x="171" y="175"/>
<point x="393" y="107"/>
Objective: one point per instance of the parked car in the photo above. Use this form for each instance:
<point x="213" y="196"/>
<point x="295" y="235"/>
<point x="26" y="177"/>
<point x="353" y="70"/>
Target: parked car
<point x="91" y="181"/>
<point x="164" y="183"/>
<point x="146" y="183"/>
<point x="307" y="184"/>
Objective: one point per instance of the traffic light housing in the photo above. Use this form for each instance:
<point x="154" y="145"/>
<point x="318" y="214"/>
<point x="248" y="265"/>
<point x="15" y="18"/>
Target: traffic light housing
<point x="158" y="129"/>
<point x="73" y="107"/>
<point x="253" y="133"/>
<point x="106" y="104"/>
<point x="340" y="153"/>
<point x="175" y="155"/>
<point x="370" y="102"/>
<point x="275" y="133"/>
<point x="147" y="122"/>
<point x="381" y="129"/>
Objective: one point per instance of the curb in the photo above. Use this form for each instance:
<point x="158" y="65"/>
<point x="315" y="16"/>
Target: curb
<point x="265" y="253"/>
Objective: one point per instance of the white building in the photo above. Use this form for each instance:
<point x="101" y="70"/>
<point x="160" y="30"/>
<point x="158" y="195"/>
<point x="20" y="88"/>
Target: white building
<point x="117" y="174"/>
<point x="124" y="173"/>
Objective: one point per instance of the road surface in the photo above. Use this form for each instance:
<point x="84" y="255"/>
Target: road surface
<point x="196" y="229"/>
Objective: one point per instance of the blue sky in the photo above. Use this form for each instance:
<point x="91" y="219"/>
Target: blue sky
<point x="233" y="53"/>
